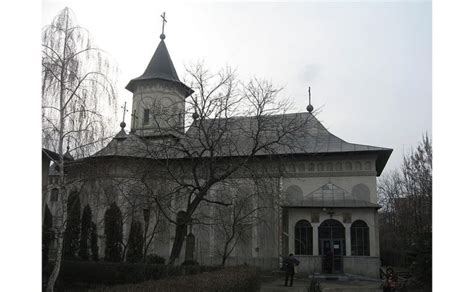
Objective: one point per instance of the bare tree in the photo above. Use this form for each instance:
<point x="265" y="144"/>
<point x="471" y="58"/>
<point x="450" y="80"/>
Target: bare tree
<point x="228" y="126"/>
<point x="249" y="199"/>
<point x="76" y="86"/>
<point x="406" y="215"/>
<point x="136" y="205"/>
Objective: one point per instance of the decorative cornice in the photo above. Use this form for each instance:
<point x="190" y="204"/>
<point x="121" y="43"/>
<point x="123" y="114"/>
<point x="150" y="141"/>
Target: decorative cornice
<point x="331" y="174"/>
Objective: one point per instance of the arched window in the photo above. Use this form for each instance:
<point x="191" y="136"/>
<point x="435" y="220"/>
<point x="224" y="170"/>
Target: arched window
<point x="294" y="194"/>
<point x="54" y="195"/>
<point x="361" y="192"/>
<point x="360" y="239"/>
<point x="303" y="238"/>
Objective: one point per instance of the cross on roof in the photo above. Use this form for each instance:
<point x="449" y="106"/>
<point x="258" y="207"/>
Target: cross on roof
<point x="124" y="107"/>
<point x="309" y="94"/>
<point x="309" y="108"/>
<point x="134" y="117"/>
<point x="163" y="21"/>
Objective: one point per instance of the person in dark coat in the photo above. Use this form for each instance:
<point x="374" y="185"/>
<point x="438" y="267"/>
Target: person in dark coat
<point x="391" y="280"/>
<point x="289" y="263"/>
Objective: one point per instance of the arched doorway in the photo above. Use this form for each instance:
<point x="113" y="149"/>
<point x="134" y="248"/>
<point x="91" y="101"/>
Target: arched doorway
<point x="332" y="245"/>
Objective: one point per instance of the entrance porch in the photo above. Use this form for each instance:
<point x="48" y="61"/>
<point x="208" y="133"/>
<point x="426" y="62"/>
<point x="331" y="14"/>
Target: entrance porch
<point x="332" y="240"/>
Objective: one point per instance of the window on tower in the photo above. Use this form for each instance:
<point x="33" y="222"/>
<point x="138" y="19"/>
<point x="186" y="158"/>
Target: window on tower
<point x="146" y="116"/>
<point x="54" y="195"/>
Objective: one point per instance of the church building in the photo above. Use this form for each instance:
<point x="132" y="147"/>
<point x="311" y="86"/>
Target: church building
<point x="322" y="194"/>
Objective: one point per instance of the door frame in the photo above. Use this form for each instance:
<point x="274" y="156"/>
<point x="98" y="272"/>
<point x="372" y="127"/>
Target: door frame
<point x="336" y="260"/>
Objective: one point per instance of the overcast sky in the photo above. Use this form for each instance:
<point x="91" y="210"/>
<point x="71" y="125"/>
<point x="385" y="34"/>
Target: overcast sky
<point x="368" y="63"/>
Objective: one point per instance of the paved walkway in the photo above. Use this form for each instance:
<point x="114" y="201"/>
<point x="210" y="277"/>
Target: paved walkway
<point x="343" y="286"/>
<point x="299" y="285"/>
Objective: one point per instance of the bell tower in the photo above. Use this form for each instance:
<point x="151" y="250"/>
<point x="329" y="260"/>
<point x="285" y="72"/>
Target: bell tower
<point x="158" y="106"/>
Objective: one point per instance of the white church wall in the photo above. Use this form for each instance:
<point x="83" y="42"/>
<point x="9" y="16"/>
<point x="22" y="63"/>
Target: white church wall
<point x="345" y="171"/>
<point x="261" y="243"/>
<point x="258" y="243"/>
<point x="164" y="103"/>
<point x="309" y="184"/>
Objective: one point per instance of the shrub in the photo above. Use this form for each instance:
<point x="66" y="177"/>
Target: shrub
<point x="231" y="279"/>
<point x="48" y="235"/>
<point x="135" y="243"/>
<point x="73" y="226"/>
<point x="154" y="259"/>
<point x="113" y="233"/>
<point x="103" y="273"/>
<point x="190" y="263"/>
<point x="421" y="266"/>
<point x="94" y="245"/>
<point x="86" y="223"/>
<point x="93" y="274"/>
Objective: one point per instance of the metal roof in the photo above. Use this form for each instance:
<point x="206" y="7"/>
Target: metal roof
<point x="160" y="67"/>
<point x="309" y="136"/>
<point x="51" y="155"/>
<point x="314" y="138"/>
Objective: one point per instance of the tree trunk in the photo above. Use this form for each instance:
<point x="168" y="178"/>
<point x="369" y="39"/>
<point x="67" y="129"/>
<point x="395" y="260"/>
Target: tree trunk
<point x="57" y="265"/>
<point x="227" y="251"/>
<point x="62" y="191"/>
<point x="180" y="234"/>
<point x="224" y="256"/>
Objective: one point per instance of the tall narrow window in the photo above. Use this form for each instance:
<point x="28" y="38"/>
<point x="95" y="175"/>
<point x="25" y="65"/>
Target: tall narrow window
<point x="146" y="116"/>
<point x="303" y="238"/>
<point x="360" y="239"/>
<point x="54" y="195"/>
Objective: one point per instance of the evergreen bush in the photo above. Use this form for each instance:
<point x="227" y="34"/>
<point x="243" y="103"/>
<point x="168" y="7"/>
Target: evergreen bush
<point x="135" y="242"/>
<point x="190" y="263"/>
<point x="48" y="234"/>
<point x="155" y="259"/>
<point x="73" y="226"/>
<point x="93" y="274"/>
<point x="86" y="223"/>
<point x="94" y="243"/>
<point x="232" y="279"/>
<point x="113" y="233"/>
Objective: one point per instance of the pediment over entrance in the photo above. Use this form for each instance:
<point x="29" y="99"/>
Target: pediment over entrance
<point x="328" y="195"/>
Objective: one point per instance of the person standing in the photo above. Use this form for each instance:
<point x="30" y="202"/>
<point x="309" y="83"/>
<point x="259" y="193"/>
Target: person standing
<point x="391" y="281"/>
<point x="290" y="263"/>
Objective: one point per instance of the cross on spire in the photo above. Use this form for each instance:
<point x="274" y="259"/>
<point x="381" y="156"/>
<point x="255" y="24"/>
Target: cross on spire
<point x="309" y="108"/>
<point x="309" y="94"/>
<point x="163" y="16"/>
<point x="124" y="107"/>
<point x="122" y="124"/>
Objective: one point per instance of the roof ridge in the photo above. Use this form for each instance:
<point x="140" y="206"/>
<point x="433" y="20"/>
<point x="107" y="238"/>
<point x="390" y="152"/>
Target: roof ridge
<point x="249" y="117"/>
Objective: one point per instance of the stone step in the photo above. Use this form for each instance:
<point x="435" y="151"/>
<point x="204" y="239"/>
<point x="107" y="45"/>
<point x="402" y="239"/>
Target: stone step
<point x="351" y="289"/>
<point x="330" y="277"/>
<point x="343" y="277"/>
<point x="351" y="286"/>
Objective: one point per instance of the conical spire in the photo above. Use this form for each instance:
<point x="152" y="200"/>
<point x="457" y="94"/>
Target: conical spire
<point x="67" y="155"/>
<point x="160" y="67"/>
